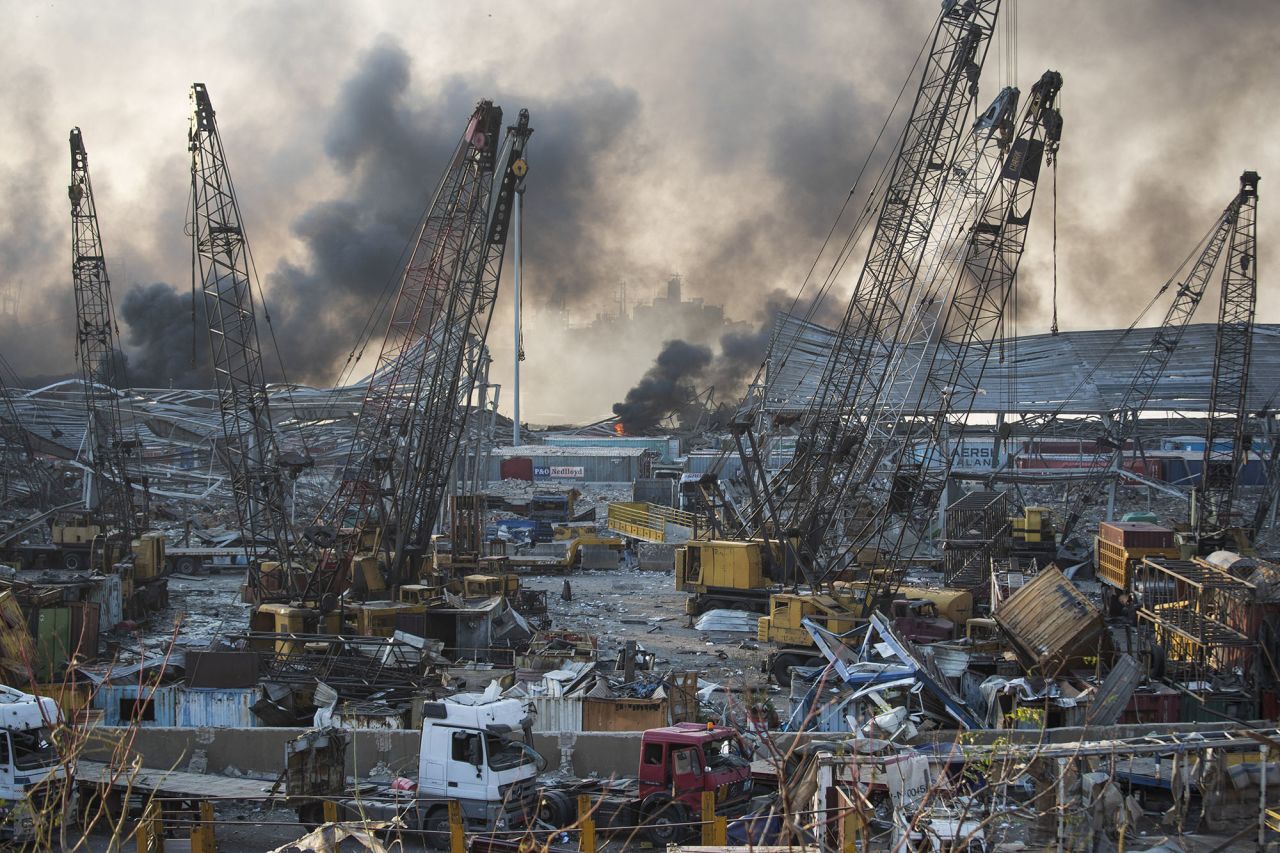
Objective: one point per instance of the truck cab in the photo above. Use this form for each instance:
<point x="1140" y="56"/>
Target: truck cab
<point x="478" y="755"/>
<point x="32" y="773"/>
<point x="683" y="760"/>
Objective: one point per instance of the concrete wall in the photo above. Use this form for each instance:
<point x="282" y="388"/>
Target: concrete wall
<point x="260" y="751"/>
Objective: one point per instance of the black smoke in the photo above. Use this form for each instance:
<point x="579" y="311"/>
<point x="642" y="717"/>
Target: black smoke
<point x="667" y="388"/>
<point x="167" y="348"/>
<point x="392" y="146"/>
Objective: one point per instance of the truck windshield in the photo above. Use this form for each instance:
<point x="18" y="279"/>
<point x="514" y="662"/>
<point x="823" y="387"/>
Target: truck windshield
<point x="725" y="754"/>
<point x="504" y="753"/>
<point x="33" y="748"/>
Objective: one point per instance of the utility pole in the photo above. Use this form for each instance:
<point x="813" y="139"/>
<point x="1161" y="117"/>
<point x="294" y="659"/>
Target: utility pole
<point x="518" y="214"/>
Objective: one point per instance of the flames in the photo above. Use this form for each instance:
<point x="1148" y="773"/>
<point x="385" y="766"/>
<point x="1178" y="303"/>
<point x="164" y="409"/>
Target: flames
<point x="619" y="429"/>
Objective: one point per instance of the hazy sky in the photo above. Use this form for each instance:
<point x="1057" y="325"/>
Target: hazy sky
<point x="713" y="139"/>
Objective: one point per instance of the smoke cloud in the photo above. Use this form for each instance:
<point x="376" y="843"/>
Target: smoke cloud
<point x="721" y="149"/>
<point x="667" y="387"/>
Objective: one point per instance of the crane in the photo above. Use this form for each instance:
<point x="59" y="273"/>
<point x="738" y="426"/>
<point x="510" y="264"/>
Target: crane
<point x="108" y="487"/>
<point x="1120" y="425"/>
<point x="1227" y="434"/>
<point x="836" y="451"/>
<point x="410" y="420"/>
<point x="969" y="329"/>
<point x="250" y="450"/>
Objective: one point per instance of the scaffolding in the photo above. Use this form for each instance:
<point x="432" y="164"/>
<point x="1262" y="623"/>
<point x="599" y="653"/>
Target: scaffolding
<point x="1203" y="618"/>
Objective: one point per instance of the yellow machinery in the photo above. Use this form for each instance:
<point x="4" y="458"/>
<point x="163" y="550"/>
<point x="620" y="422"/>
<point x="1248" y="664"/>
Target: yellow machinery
<point x="418" y="593"/>
<point x="723" y="573"/>
<point x="75" y="534"/>
<point x="1032" y="533"/>
<point x="955" y="605"/>
<point x="288" y="619"/>
<point x="1120" y="546"/>
<point x="148" y="556"/>
<point x="786" y="611"/>
<point x="783" y="626"/>
<point x="477" y="585"/>
<point x="376" y="618"/>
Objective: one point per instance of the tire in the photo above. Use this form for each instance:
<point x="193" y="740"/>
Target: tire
<point x="72" y="561"/>
<point x="667" y="822"/>
<point x="779" y="669"/>
<point x="555" y="809"/>
<point x="186" y="565"/>
<point x="436" y="829"/>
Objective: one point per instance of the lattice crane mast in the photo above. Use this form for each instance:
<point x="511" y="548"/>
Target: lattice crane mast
<point x="970" y="327"/>
<point x="108" y="494"/>
<point x="253" y="458"/>
<point x="843" y="416"/>
<point x="457" y="341"/>
<point x="1227" y="433"/>
<point x="1120" y="425"/>
<point x="409" y="425"/>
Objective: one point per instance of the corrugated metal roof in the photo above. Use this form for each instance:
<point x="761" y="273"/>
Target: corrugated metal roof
<point x="1041" y="373"/>
<point x="556" y="450"/>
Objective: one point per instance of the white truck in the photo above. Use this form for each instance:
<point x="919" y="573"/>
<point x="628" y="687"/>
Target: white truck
<point x="33" y="776"/>
<point x="473" y="750"/>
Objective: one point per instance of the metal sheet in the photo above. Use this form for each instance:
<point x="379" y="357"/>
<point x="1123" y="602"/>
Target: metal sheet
<point x="128" y="704"/>
<point x="1038" y="372"/>
<point x="1048" y="620"/>
<point x="1114" y="693"/>
<point x="557" y="713"/>
<point x="219" y="709"/>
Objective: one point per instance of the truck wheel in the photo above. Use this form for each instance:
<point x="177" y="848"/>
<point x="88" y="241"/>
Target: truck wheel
<point x="555" y="809"/>
<point x="186" y="565"/>
<point x="71" y="561"/>
<point x="779" y="670"/>
<point x="436" y="829"/>
<point x="667" y="822"/>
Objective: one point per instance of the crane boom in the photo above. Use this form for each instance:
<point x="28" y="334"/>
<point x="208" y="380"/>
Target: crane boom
<point x="1121" y="423"/>
<point x="410" y="418"/>
<point x="844" y="412"/>
<point x="971" y="324"/>
<point x="1227" y="436"/>
<point x="108" y="485"/>
<point x="222" y="252"/>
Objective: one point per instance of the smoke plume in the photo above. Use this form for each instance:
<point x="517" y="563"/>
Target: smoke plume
<point x="667" y="388"/>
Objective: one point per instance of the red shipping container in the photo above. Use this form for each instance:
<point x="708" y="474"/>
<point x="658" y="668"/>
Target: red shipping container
<point x="516" y="468"/>
<point x="1135" y="534"/>
<point x="1163" y="706"/>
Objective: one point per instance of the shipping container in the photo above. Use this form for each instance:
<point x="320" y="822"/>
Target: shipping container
<point x="108" y="594"/>
<point x="219" y="708"/>
<point x="145" y="705"/>
<point x="1048" y="621"/>
<point x="1135" y="534"/>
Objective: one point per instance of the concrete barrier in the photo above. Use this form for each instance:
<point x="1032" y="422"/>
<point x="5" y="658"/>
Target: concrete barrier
<point x="260" y="751"/>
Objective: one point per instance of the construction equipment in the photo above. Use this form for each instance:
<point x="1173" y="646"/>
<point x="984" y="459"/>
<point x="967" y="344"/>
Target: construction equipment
<point x="108" y="487"/>
<point x="1120" y="426"/>
<point x="727" y="573"/>
<point x="968" y="332"/>
<point x="401" y="461"/>
<point x="1227" y="433"/>
<point x="113" y="528"/>
<point x="250" y="451"/>
<point x="843" y="436"/>
<point x="839" y="449"/>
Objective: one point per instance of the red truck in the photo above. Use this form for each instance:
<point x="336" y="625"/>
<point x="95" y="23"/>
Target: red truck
<point x="677" y="764"/>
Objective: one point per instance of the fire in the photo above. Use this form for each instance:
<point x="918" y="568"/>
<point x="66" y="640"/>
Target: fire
<point x="619" y="428"/>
